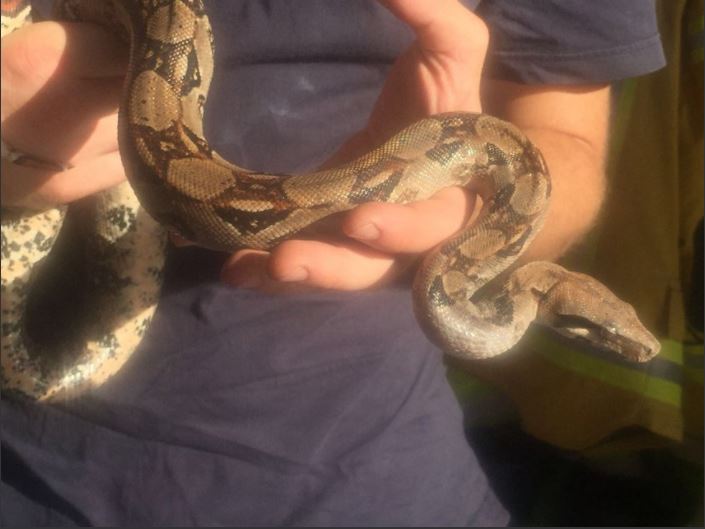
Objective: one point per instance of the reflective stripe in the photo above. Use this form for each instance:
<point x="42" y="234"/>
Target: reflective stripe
<point x="693" y="359"/>
<point x="466" y="386"/>
<point x="668" y="365"/>
<point x="638" y="381"/>
<point x="672" y="351"/>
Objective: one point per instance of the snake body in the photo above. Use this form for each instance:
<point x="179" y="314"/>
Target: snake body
<point x="181" y="183"/>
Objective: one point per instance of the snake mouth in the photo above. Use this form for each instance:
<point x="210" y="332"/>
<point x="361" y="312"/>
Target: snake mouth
<point x="606" y="336"/>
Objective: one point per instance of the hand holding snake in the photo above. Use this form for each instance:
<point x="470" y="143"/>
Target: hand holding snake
<point x="439" y="72"/>
<point x="187" y="187"/>
<point x="59" y="102"/>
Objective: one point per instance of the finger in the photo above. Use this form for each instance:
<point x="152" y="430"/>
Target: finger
<point x="249" y="269"/>
<point x="296" y="266"/>
<point x="38" y="188"/>
<point x="71" y="121"/>
<point x="83" y="50"/>
<point x="410" y="228"/>
<point x="441" y="26"/>
<point x="93" y="52"/>
<point x="60" y="91"/>
<point x="329" y="266"/>
<point x="46" y="55"/>
<point x="246" y="269"/>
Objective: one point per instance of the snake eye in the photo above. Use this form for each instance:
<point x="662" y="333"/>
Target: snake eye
<point x="583" y="329"/>
<point x="572" y="321"/>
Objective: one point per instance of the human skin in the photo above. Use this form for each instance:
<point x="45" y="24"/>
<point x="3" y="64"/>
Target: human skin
<point x="60" y="93"/>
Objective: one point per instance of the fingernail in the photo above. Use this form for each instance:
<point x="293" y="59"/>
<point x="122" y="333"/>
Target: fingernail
<point x="366" y="232"/>
<point x="295" y="274"/>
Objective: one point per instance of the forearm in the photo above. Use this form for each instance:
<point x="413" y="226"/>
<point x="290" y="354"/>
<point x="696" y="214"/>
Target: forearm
<point x="578" y="189"/>
<point x="569" y="125"/>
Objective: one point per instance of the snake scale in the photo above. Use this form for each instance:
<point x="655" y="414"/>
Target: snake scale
<point x="176" y="181"/>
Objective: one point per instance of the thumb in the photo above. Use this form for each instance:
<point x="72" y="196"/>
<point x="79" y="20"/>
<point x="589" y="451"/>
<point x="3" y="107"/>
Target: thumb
<point x="442" y="26"/>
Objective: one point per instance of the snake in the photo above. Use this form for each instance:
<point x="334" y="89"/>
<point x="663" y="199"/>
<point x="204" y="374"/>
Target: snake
<point x="470" y="297"/>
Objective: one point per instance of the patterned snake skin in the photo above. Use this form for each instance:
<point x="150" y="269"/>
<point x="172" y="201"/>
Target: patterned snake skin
<point x="187" y="187"/>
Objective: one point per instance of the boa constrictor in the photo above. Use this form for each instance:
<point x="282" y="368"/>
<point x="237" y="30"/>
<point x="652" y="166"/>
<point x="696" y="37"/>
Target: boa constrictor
<point x="186" y="186"/>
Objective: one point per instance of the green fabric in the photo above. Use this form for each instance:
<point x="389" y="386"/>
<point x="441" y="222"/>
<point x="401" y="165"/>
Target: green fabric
<point x="643" y="250"/>
<point x="628" y="438"/>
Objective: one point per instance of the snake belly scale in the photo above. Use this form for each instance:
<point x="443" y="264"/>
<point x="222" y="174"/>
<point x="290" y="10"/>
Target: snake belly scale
<point x="176" y="179"/>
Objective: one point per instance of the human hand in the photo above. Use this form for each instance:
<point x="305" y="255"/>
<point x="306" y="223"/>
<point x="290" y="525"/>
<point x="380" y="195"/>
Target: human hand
<point x="440" y="72"/>
<point x="61" y="87"/>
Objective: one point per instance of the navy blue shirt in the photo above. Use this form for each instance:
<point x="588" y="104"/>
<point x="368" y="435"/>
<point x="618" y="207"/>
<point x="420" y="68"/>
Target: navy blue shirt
<point x="241" y="408"/>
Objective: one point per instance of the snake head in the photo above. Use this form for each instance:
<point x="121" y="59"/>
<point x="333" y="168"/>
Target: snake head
<point x="585" y="310"/>
<point x="632" y="341"/>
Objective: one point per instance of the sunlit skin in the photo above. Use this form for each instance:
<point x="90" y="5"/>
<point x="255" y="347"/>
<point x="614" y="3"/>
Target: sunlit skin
<point x="59" y="102"/>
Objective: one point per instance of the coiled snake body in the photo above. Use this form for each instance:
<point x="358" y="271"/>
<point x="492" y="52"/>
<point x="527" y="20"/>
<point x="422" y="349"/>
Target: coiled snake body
<point x="183" y="184"/>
